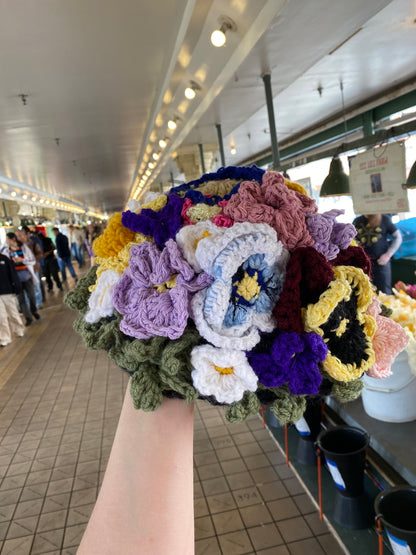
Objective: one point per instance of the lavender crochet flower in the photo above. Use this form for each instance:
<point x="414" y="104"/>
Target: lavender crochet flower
<point x="161" y="225"/>
<point x="329" y="235"/>
<point x="154" y="292"/>
<point x="292" y="359"/>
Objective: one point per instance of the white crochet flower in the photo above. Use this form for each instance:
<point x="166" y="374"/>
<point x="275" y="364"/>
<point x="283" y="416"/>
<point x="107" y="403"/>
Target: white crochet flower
<point x="222" y="373"/>
<point x="190" y="236"/>
<point x="101" y="299"/>
<point x="248" y="264"/>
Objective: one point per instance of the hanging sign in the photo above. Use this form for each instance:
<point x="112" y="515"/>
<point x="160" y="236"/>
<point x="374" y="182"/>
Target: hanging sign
<point x="376" y="179"/>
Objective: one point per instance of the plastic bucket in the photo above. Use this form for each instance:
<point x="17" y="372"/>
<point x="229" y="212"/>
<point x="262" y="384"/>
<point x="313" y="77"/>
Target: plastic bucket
<point x="392" y="399"/>
<point x="308" y="428"/>
<point x="344" y="448"/>
<point x="396" y="508"/>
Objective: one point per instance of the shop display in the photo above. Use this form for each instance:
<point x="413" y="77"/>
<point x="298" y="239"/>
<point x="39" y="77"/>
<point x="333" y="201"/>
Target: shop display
<point x="234" y="289"/>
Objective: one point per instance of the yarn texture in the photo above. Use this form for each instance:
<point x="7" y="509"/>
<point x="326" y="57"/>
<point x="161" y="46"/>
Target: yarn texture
<point x="234" y="289"/>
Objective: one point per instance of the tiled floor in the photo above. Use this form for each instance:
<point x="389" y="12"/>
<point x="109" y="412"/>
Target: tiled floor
<point x="59" y="407"/>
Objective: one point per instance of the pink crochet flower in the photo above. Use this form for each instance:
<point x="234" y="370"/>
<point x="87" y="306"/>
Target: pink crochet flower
<point x="389" y="339"/>
<point x="184" y="213"/>
<point x="154" y="292"/>
<point x="273" y="203"/>
<point x="221" y="220"/>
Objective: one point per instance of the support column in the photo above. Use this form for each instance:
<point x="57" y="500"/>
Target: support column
<point x="368" y="123"/>
<point x="270" y="112"/>
<point x="220" y="143"/>
<point x="201" y="154"/>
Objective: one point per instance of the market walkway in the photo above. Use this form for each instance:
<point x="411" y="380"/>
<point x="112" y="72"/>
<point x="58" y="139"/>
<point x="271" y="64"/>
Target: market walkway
<point x="59" y="406"/>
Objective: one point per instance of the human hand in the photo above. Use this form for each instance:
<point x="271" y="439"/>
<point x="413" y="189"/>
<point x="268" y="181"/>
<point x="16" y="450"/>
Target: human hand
<point x="384" y="258"/>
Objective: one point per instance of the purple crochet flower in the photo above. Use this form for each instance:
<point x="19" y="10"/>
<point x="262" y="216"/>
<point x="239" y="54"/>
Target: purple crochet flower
<point x="292" y="359"/>
<point x="330" y="236"/>
<point x="161" y="225"/>
<point x="154" y="292"/>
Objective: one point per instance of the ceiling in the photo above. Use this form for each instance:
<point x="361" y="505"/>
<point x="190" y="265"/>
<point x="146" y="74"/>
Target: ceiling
<point x="101" y="79"/>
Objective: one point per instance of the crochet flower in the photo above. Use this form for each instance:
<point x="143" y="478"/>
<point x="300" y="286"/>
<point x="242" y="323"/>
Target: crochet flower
<point x="189" y="237"/>
<point x="389" y="339"/>
<point x="248" y="265"/>
<point x="329" y="235"/>
<point x="162" y="225"/>
<point x="291" y="358"/>
<point x="273" y="203"/>
<point x="223" y="373"/>
<point x="101" y="300"/>
<point x="114" y="238"/>
<point x="340" y="318"/>
<point x="153" y="293"/>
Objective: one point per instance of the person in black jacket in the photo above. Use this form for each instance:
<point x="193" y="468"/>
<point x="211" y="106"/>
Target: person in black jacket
<point x="64" y="254"/>
<point x="50" y="264"/>
<point x="10" y="286"/>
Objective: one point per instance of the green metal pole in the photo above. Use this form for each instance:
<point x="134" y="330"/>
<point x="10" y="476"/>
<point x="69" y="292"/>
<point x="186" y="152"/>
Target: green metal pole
<point x="368" y="123"/>
<point x="270" y="112"/>
<point x="220" y="143"/>
<point x="201" y="154"/>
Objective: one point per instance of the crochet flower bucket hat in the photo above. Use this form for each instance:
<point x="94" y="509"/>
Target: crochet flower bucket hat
<point x="234" y="289"/>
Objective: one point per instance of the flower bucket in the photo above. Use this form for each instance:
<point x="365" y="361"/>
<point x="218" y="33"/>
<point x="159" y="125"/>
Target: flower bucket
<point x="345" y="450"/>
<point x="392" y="399"/>
<point x="396" y="508"/>
<point x="308" y="428"/>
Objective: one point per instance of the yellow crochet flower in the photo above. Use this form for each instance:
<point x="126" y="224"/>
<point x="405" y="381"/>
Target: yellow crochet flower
<point x="339" y="317"/>
<point x="120" y="261"/>
<point x="156" y="204"/>
<point x="201" y="212"/>
<point x="295" y="187"/>
<point x="113" y="239"/>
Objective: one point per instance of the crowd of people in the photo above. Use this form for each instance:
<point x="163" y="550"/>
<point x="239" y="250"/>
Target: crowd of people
<point x="29" y="260"/>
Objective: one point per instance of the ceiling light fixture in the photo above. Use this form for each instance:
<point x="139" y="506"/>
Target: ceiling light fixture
<point x="172" y="124"/>
<point x="148" y="172"/>
<point x="233" y="151"/>
<point x="218" y="37"/>
<point x="24" y="197"/>
<point x="13" y="193"/>
<point x="41" y="201"/>
<point x="190" y="92"/>
<point x="151" y="165"/>
<point x="33" y="199"/>
<point x="163" y="143"/>
<point x="155" y="156"/>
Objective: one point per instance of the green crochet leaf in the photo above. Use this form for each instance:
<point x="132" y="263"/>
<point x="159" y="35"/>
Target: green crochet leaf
<point x="77" y="299"/>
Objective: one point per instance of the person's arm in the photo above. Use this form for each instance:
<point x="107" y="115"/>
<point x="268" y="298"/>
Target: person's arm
<point x="146" y="501"/>
<point x="28" y="257"/>
<point x="394" y="245"/>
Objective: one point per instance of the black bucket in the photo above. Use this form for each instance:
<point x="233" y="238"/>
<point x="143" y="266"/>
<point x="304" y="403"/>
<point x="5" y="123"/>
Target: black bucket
<point x="344" y="448"/>
<point x="308" y="428"/>
<point x="396" y="508"/>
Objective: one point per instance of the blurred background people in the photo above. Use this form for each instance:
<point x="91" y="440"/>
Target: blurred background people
<point x="64" y="254"/>
<point x="50" y="264"/>
<point x="26" y="237"/>
<point x="380" y="239"/>
<point x="76" y="241"/>
<point x="10" y="286"/>
<point x="24" y="262"/>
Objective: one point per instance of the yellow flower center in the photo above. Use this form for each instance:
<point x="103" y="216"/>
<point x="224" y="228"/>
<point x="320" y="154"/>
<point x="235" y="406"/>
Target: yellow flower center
<point x="205" y="234"/>
<point x="248" y="288"/>
<point x="169" y="284"/>
<point x="222" y="370"/>
<point x="340" y="330"/>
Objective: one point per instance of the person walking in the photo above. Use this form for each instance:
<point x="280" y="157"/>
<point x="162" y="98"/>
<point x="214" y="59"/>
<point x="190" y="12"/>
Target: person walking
<point x="25" y="236"/>
<point x="24" y="262"/>
<point x="50" y="264"/>
<point x="380" y="239"/>
<point x="10" y="286"/>
<point x="64" y="254"/>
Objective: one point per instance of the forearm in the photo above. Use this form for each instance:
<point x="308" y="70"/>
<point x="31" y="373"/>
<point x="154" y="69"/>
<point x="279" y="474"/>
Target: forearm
<point x="395" y="244"/>
<point x="146" y="501"/>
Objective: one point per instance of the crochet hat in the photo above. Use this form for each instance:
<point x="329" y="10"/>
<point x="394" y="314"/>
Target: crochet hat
<point x="234" y="289"/>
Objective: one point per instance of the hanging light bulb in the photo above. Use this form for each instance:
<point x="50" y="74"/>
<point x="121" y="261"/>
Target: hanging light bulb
<point x="172" y="124"/>
<point x="148" y="172"/>
<point x="151" y="165"/>
<point x="33" y="199"/>
<point x="218" y="37"/>
<point x="155" y="156"/>
<point x="162" y="143"/>
<point x="233" y="150"/>
<point x="24" y="197"/>
<point x="13" y="193"/>
<point x="190" y="92"/>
